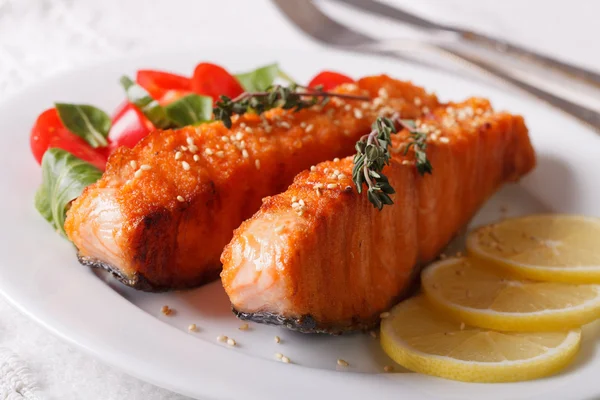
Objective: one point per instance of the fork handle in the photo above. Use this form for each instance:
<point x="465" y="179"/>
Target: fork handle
<point x="531" y="56"/>
<point x="584" y="114"/>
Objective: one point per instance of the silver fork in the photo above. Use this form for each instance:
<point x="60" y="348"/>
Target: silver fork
<point x="312" y="21"/>
<point x="475" y="38"/>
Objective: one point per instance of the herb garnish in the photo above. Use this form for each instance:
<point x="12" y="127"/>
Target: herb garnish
<point x="372" y="155"/>
<point x="418" y="141"/>
<point x="293" y="97"/>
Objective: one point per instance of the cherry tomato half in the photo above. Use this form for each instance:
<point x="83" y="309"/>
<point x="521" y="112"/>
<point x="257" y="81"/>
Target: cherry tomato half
<point x="157" y="83"/>
<point x="49" y="132"/>
<point x="129" y="126"/>
<point x="214" y="81"/>
<point x="329" y="80"/>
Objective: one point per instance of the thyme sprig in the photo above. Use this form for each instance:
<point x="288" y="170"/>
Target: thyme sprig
<point x="293" y="97"/>
<point x="372" y="155"/>
<point x="418" y="141"/>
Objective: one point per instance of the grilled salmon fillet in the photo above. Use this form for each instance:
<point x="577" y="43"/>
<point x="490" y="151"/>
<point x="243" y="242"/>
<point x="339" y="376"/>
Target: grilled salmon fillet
<point x="161" y="214"/>
<point x="320" y="258"/>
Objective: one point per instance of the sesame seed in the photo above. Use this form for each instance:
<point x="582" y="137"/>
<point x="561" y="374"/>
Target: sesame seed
<point x="377" y="101"/>
<point x="268" y="128"/>
<point x="257" y="164"/>
<point x="196" y="157"/>
<point x="277" y="339"/>
<point x="225" y="138"/>
<point x="178" y="155"/>
<point x="193" y="148"/>
<point x="248" y="129"/>
<point x="295" y="205"/>
<point x="278" y="356"/>
<point x="383" y="93"/>
<point x="185" y="165"/>
<point x="444" y="140"/>
<point x="301" y="202"/>
<point x="183" y="148"/>
<point x="388" y="368"/>
<point x="239" y="136"/>
<point x="285" y="125"/>
<point x="189" y="140"/>
<point x="242" y="144"/>
<point x="342" y="363"/>
<point x="341" y="176"/>
<point x="285" y="359"/>
<point x="364" y="105"/>
<point x="313" y="168"/>
<point x="336" y="172"/>
<point x="231" y="342"/>
<point x="192" y="328"/>
<point x="347" y="107"/>
<point x="417" y="101"/>
<point x="384" y="315"/>
<point x="294" y="199"/>
<point x="138" y="173"/>
<point x="331" y="185"/>
<point x="209" y="152"/>
<point x="309" y="128"/>
<point x="325" y="170"/>
<point x="243" y="125"/>
<point x="245" y="153"/>
<point x="180" y="199"/>
<point x="279" y="228"/>
<point x="220" y="154"/>
<point x="302" y="124"/>
<point x="357" y="113"/>
<point x="145" y="167"/>
<point x="133" y="164"/>
<point x="222" y="338"/>
<point x="336" y="159"/>
<point x="166" y="310"/>
<point x="405" y="162"/>
<point x="318" y="186"/>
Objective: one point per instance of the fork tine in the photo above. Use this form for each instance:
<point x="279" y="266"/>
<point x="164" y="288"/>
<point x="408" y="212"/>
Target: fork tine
<point x="306" y="16"/>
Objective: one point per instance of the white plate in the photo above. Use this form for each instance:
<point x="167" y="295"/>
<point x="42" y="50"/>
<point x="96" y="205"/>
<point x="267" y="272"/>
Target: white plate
<point x="40" y="275"/>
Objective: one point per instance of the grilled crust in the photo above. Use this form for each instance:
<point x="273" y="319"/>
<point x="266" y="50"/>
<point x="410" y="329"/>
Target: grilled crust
<point x="163" y="243"/>
<point x="341" y="263"/>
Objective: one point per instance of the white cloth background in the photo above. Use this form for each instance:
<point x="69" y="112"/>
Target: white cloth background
<point x="39" y="38"/>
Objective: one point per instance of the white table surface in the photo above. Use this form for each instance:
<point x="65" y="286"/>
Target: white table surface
<point x="39" y="38"/>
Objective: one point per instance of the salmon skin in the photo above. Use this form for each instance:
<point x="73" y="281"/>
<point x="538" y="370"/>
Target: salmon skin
<point x="161" y="214"/>
<point x="320" y="258"/>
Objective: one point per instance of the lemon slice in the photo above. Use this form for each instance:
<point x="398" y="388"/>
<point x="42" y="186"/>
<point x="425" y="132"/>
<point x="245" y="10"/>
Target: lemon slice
<point x="424" y="341"/>
<point x="475" y="293"/>
<point x="559" y="248"/>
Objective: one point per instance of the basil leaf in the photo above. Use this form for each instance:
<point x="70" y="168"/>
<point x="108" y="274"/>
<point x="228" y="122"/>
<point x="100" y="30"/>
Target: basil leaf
<point x="190" y="110"/>
<point x="261" y="78"/>
<point x="64" y="177"/>
<point x="88" y="122"/>
<point x="139" y="97"/>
